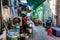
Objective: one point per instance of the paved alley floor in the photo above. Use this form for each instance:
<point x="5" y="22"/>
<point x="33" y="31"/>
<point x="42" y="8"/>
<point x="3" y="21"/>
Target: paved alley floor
<point x="39" y="33"/>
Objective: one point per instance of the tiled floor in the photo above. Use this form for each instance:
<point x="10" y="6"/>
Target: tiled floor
<point x="39" y="33"/>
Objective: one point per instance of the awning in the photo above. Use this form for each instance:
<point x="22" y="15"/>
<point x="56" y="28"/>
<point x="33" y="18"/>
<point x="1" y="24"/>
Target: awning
<point x="35" y="3"/>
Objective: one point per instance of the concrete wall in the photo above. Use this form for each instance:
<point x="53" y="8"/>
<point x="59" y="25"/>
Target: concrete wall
<point x="55" y="6"/>
<point x="58" y="12"/>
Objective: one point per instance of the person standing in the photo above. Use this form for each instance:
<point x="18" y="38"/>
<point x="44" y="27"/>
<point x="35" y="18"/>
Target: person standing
<point x="28" y="14"/>
<point x="24" y="22"/>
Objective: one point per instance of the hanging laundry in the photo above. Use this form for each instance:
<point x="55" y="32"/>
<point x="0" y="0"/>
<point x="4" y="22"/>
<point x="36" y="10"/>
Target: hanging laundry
<point x="12" y="2"/>
<point x="13" y="12"/>
<point x="9" y="11"/>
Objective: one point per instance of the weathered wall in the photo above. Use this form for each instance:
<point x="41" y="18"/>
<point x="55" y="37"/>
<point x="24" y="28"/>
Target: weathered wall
<point x="58" y="12"/>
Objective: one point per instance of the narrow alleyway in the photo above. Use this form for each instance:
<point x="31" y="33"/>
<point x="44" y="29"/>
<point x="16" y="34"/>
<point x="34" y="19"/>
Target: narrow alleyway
<point x="39" y="33"/>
